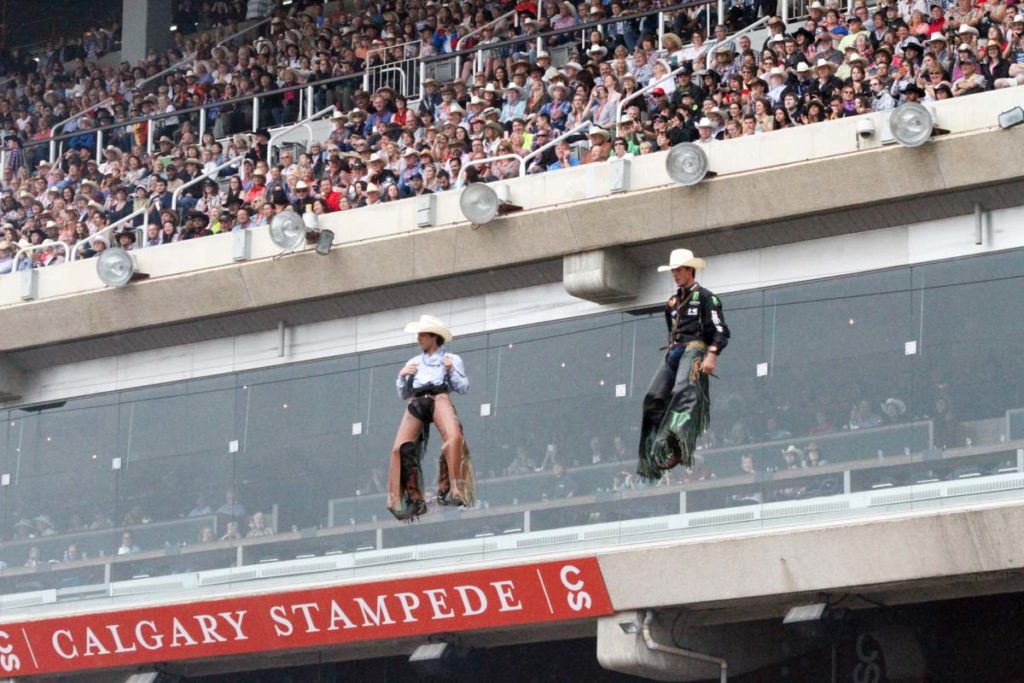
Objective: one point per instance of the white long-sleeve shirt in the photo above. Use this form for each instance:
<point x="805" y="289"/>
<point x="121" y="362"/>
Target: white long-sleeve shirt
<point x="430" y="371"/>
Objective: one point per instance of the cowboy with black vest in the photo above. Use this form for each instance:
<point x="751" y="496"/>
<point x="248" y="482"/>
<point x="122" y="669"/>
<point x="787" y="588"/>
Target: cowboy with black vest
<point x="677" y="407"/>
<point x="426" y="383"/>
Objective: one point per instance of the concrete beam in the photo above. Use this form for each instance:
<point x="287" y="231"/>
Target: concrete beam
<point x="938" y="547"/>
<point x="604" y="276"/>
<point x="729" y="213"/>
<point x="12" y="380"/>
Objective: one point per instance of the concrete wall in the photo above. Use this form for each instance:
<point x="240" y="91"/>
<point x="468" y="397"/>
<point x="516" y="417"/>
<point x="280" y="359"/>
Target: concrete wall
<point x="570" y="212"/>
<point x="55" y="375"/>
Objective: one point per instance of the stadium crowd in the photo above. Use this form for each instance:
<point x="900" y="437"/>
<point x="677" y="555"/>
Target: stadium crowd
<point x="706" y="89"/>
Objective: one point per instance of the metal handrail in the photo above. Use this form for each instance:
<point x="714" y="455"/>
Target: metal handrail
<point x="191" y="110"/>
<point x="644" y="90"/>
<point x="205" y="176"/>
<point x="488" y="160"/>
<point x="335" y="80"/>
<point x="304" y="122"/>
<point x="244" y="30"/>
<point x="709" y="59"/>
<point x="551" y="143"/>
<point x="493" y="23"/>
<point x="102" y="233"/>
<point x="39" y="247"/>
<point x="574" y="29"/>
<point x="74" y="117"/>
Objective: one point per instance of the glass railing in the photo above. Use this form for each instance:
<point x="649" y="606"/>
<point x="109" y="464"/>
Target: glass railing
<point x="282" y="471"/>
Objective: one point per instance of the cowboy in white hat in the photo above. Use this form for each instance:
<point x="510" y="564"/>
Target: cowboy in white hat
<point x="426" y="383"/>
<point x="677" y="406"/>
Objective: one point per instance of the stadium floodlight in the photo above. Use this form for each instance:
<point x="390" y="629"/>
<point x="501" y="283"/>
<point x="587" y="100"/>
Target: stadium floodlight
<point x="116" y="267"/>
<point x="288" y="231"/>
<point x="480" y="204"/>
<point x="1011" y="118"/>
<point x="912" y="124"/>
<point x="687" y="164"/>
<point x="804" y="613"/>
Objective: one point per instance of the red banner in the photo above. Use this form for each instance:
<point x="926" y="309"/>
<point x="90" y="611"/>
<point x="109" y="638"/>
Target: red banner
<point x="485" y="599"/>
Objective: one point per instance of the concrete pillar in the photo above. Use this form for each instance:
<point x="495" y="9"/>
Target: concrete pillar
<point x="603" y="276"/>
<point x="146" y="25"/>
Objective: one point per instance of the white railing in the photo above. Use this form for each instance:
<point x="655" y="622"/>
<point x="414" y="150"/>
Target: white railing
<point x="551" y="143"/>
<point x="489" y="160"/>
<point x="478" y="60"/>
<point x="304" y="123"/>
<point x="237" y="160"/>
<point x="709" y="59"/>
<point x="39" y="247"/>
<point x="644" y="90"/>
<point x="139" y="236"/>
<point x="75" y="117"/>
<point x="401" y="75"/>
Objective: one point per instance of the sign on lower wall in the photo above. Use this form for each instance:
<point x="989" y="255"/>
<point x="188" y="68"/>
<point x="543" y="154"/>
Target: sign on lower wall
<point x="464" y="601"/>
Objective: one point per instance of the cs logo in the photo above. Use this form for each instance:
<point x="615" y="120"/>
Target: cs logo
<point x="577" y="598"/>
<point x="8" y="662"/>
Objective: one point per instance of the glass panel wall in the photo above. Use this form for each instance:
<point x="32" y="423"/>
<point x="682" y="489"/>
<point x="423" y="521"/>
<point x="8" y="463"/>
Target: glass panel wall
<point x="854" y="395"/>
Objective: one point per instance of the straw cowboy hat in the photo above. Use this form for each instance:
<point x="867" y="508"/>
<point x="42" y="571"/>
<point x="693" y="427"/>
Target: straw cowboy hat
<point x="682" y="258"/>
<point x="431" y="325"/>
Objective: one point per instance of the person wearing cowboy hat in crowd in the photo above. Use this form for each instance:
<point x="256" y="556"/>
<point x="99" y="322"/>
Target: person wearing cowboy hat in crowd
<point x="6" y="257"/>
<point x="971" y="81"/>
<point x="126" y="239"/>
<point x="677" y="406"/>
<point x="514" y="106"/>
<point x="826" y="84"/>
<point x="894" y="411"/>
<point x="426" y="383"/>
<point x="600" y="145"/>
<point x="50" y="255"/>
<point x="559" y="108"/>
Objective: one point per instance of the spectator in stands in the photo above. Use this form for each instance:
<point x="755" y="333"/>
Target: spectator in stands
<point x="72" y="554"/>
<point x="127" y="546"/>
<point x="893" y="411"/>
<point x="862" y="417"/>
<point x="946" y="430"/>
<point x="793" y="458"/>
<point x="521" y="463"/>
<point x="258" y="526"/>
<point x="231" y="533"/>
<point x="564" y="484"/>
<point x="44" y="526"/>
<point x="814" y="458"/>
<point x="35" y="558"/>
<point x="206" y="535"/>
<point x="231" y="507"/>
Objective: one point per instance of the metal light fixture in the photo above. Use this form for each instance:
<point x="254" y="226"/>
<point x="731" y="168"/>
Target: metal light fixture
<point x="324" y="242"/>
<point x="687" y="164"/>
<point x="804" y="613"/>
<point x="116" y="267"/>
<point x="480" y="204"/>
<point x="288" y="231"/>
<point x="911" y="124"/>
<point x="1011" y="118"/>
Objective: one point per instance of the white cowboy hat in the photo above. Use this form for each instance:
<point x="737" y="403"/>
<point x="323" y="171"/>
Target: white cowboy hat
<point x="704" y="122"/>
<point x="431" y="325"/>
<point x="680" y="258"/>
